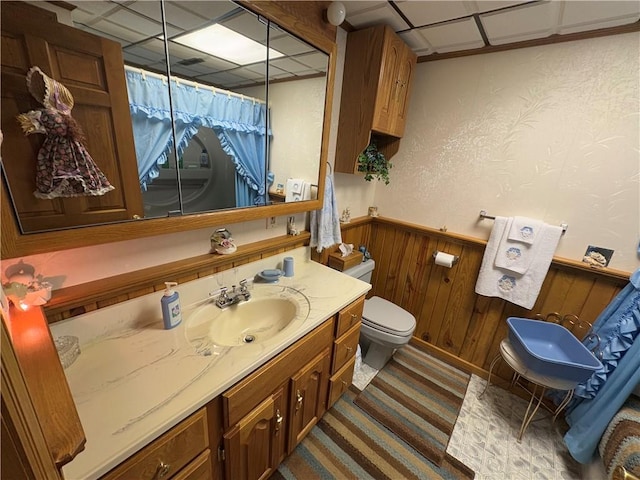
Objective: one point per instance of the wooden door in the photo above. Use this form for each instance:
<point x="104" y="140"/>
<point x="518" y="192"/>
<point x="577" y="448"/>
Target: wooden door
<point x="384" y="112"/>
<point x="92" y="68"/>
<point x="308" y="398"/>
<point x="405" y="71"/>
<point x="256" y="444"/>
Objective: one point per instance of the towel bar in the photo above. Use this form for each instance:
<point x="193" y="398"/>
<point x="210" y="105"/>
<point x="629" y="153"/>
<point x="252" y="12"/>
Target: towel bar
<point x="483" y="214"/>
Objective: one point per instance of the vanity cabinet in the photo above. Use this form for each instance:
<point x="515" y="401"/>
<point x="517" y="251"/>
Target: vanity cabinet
<point x="181" y="453"/>
<point x="266" y="414"/>
<point x="255" y="424"/>
<point x="345" y="345"/>
<point x="378" y="74"/>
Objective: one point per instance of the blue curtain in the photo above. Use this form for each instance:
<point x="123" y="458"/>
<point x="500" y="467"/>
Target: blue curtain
<point x="240" y="124"/>
<point x="151" y="120"/>
<point x="604" y="393"/>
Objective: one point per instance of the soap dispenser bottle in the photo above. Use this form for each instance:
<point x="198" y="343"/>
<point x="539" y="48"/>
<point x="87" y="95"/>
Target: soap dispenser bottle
<point x="171" y="314"/>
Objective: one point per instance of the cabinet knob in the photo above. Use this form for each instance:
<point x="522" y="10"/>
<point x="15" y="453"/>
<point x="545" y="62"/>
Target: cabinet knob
<point x="299" y="400"/>
<point x="162" y="470"/>
<point x="278" y="421"/>
<point x="349" y="349"/>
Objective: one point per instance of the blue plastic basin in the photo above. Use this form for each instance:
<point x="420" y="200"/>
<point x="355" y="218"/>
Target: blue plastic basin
<point x="550" y="349"/>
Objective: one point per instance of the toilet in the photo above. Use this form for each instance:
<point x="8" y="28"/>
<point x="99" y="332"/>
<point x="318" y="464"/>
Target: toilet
<point x="385" y="326"/>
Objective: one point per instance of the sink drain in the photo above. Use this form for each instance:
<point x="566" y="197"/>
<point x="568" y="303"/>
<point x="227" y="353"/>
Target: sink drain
<point x="248" y="338"/>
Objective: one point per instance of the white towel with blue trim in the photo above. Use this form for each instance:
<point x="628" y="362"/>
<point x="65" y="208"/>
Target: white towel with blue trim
<point x="516" y="252"/>
<point x="519" y="288"/>
<point x="325" y="223"/>
<point x="525" y="230"/>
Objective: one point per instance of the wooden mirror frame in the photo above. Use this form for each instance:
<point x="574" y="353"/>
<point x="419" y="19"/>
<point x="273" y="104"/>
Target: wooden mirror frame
<point x="302" y="18"/>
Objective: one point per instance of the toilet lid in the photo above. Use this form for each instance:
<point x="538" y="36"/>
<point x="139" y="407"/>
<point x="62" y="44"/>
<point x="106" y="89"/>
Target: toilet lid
<point x="388" y="317"/>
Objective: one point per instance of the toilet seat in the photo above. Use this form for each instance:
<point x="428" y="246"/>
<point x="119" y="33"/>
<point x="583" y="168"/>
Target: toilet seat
<point x="382" y="315"/>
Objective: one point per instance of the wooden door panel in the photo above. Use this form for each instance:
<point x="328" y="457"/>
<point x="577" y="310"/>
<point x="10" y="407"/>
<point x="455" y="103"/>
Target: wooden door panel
<point x="92" y="69"/>
<point x="308" y="398"/>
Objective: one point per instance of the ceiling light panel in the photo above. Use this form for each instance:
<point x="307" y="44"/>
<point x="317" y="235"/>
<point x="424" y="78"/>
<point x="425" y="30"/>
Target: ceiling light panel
<point x="453" y="36"/>
<point x="227" y="44"/>
<point x="536" y="20"/>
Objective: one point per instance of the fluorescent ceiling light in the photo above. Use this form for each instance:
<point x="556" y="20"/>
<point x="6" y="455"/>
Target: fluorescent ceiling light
<point x="224" y="43"/>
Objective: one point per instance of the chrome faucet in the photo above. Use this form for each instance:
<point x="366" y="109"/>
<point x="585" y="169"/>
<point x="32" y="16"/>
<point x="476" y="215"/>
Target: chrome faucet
<point x="237" y="295"/>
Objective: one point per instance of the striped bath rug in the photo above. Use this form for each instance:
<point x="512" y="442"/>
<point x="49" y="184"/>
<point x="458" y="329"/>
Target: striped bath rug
<point x="349" y="444"/>
<point x="418" y="397"/>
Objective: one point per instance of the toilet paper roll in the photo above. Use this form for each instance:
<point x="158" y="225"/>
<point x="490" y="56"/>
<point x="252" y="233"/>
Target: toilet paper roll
<point x="445" y="259"/>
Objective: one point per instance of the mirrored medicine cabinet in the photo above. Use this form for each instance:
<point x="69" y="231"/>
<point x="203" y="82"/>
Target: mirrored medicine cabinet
<point x="189" y="136"/>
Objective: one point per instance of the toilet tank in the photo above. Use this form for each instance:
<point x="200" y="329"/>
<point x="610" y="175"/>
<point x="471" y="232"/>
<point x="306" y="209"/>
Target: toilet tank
<point x="362" y="271"/>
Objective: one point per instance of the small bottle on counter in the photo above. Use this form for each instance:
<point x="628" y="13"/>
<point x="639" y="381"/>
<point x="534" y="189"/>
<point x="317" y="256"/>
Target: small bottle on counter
<point x="171" y="314"/>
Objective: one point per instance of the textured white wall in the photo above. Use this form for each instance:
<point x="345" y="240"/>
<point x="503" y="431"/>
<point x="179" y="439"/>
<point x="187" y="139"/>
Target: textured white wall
<point x="550" y="132"/>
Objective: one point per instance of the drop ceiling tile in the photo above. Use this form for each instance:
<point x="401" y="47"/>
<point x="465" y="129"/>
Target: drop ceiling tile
<point x="140" y="51"/>
<point x="117" y="31"/>
<point x="210" y="10"/>
<point x="249" y="26"/>
<point x="453" y="36"/>
<point x="136" y="22"/>
<point x="148" y="9"/>
<point x="415" y="40"/>
<point x="579" y="16"/>
<point x="96" y="8"/>
<point x="484" y="6"/>
<point x="248" y="73"/>
<point x="316" y="60"/>
<point x="288" y="65"/>
<point x="537" y="20"/>
<point x="221" y="78"/>
<point x="383" y="14"/>
<point x="428" y="13"/>
<point x="359" y="6"/>
<point x="289" y="45"/>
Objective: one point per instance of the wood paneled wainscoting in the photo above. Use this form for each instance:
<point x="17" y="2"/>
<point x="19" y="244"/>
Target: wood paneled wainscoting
<point x="455" y="322"/>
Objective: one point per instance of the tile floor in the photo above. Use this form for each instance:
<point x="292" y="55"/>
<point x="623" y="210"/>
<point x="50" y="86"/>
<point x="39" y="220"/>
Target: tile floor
<point x="484" y="437"/>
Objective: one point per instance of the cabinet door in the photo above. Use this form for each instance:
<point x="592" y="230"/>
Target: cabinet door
<point x="308" y="398"/>
<point x="255" y="445"/>
<point x="92" y="68"/>
<point x="384" y="113"/>
<point x="406" y="67"/>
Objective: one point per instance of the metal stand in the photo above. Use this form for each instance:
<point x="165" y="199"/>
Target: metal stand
<point x="541" y="382"/>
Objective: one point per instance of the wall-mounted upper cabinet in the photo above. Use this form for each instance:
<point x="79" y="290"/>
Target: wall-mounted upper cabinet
<point x="378" y="74"/>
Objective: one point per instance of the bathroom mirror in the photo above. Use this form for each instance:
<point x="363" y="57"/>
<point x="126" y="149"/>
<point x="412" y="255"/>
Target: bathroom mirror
<point x="197" y="182"/>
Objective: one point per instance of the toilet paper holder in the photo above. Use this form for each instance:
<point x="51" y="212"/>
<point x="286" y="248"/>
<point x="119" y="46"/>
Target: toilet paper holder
<point x="453" y="261"/>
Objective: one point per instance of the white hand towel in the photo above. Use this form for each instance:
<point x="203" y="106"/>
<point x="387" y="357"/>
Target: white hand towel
<point x="520" y="289"/>
<point x="325" y="223"/>
<point x="514" y="256"/>
<point x="294" y="190"/>
<point x="525" y="230"/>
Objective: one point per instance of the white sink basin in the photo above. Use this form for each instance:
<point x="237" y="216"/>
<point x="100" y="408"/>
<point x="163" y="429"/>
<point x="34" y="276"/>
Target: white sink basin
<point x="270" y="311"/>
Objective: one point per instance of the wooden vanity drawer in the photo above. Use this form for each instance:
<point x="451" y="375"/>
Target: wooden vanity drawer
<point x="349" y="316"/>
<point x="168" y="454"/>
<point x="345" y="347"/>
<point x="340" y="381"/>
<point x="245" y="395"/>
<point x="200" y="468"/>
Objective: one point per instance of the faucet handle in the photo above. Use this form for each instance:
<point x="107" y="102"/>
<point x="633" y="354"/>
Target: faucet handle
<point x="243" y="285"/>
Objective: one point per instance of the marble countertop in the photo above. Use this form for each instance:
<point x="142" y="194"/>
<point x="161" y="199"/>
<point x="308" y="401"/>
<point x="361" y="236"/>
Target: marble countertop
<point x="134" y="380"/>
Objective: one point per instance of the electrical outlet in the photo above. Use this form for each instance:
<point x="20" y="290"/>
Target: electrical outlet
<point x="271" y="222"/>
